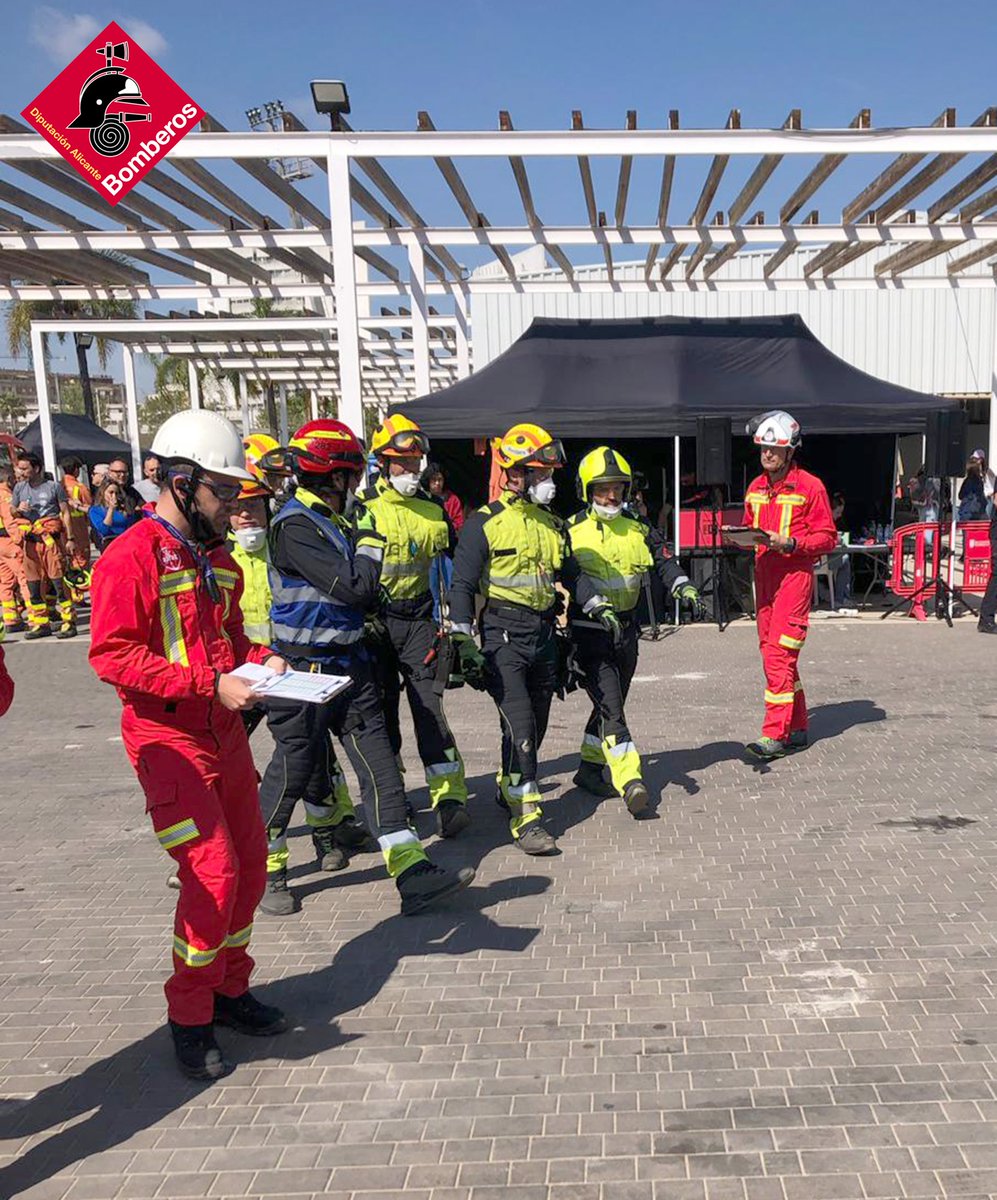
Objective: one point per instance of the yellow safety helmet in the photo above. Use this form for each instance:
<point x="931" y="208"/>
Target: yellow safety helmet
<point x="257" y="445"/>
<point x="399" y="436"/>
<point x="603" y="465"/>
<point x="527" y="445"/>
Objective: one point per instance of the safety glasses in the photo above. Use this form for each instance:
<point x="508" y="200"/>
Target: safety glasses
<point x="408" y="442"/>
<point x="551" y="455"/>
<point x="227" y="492"/>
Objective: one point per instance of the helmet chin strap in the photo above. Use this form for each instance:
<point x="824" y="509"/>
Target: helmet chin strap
<point x="186" y="500"/>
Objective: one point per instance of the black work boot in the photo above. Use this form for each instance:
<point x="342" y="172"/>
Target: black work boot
<point x="277" y="900"/>
<point x="985" y="626"/>
<point x="589" y="776"/>
<point x="330" y="856"/>
<point x="452" y="818"/>
<point x="67" y="631"/>
<point x="198" y="1054"/>
<point x="354" y="837"/>
<point x="39" y="631"/>
<point x="246" y="1014"/>
<point x="536" y="840"/>
<point x="422" y="884"/>
<point x="636" y="797"/>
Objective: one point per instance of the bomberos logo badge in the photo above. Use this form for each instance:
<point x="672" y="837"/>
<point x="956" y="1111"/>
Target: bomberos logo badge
<point x="113" y="113"/>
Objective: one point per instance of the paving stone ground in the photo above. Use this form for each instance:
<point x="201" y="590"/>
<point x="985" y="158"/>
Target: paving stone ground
<point x="781" y="989"/>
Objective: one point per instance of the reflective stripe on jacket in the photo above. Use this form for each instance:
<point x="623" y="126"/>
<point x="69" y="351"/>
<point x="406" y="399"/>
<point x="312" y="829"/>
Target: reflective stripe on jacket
<point x="415" y="530"/>
<point x="256" y="598"/>
<point x="613" y="553"/>
<point x="526" y="549"/>
<point x="300" y="614"/>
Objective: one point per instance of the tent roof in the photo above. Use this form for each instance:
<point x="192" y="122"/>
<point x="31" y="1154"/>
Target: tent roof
<point x="77" y="435"/>
<point x="655" y="376"/>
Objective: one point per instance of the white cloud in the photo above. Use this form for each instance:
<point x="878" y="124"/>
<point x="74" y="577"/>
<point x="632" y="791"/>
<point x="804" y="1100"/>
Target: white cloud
<point x="63" y="35"/>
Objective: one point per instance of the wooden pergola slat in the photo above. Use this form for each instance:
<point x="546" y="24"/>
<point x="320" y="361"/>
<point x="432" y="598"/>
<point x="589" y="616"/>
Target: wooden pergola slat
<point x="819" y="174"/>
<point x="664" y="195"/>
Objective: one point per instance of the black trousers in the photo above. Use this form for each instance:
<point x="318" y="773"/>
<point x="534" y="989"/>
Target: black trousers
<point x="608" y="674"/>
<point x="988" y="608"/>
<point x="301" y="763"/>
<point x="521" y="650"/>
<point x="399" y="662"/>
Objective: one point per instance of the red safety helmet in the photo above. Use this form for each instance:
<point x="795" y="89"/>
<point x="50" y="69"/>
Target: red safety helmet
<point x="321" y="447"/>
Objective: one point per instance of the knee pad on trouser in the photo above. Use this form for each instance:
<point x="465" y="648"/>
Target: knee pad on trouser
<point x="446" y="779"/>
<point x="522" y="799"/>
<point x="623" y="759"/>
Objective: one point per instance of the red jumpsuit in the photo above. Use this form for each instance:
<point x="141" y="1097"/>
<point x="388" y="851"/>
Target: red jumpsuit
<point x="6" y="687"/>
<point x="796" y="506"/>
<point x="161" y="641"/>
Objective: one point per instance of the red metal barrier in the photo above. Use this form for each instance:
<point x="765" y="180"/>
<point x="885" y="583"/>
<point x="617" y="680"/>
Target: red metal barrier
<point x="914" y="562"/>
<point x="976" y="555"/>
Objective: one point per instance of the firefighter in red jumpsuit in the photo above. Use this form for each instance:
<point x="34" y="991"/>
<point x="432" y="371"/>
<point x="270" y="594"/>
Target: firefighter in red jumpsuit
<point x="167" y="633"/>
<point x="790" y="509"/>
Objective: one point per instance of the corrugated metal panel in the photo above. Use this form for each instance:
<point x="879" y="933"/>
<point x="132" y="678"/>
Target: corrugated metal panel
<point x="934" y="340"/>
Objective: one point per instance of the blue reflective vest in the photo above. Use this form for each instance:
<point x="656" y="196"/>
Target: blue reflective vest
<point x="304" y="617"/>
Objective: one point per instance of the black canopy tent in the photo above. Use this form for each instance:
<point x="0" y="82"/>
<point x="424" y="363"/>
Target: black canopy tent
<point x="653" y="377"/>
<point x="78" y="436"/>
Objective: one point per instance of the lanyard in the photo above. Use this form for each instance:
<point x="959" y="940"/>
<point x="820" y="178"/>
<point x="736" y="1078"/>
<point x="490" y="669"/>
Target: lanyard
<point x="201" y="561"/>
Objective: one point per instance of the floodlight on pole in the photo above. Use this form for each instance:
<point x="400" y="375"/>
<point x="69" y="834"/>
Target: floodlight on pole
<point x="331" y="97"/>
<point x="83" y="343"/>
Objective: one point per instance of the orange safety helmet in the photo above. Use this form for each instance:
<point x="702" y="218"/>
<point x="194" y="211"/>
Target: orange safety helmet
<point x="399" y="436"/>
<point x="527" y="445"/>
<point x="257" y="446"/>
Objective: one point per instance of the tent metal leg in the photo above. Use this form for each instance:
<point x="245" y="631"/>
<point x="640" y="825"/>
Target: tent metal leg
<point x="131" y="407"/>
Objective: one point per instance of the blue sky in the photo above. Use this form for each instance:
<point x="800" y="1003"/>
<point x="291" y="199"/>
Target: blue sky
<point x="463" y="62"/>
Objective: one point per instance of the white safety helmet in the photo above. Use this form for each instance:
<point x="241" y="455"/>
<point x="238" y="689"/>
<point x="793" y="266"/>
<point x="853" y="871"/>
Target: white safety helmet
<point x="775" y="428"/>
<point x="204" y="438"/>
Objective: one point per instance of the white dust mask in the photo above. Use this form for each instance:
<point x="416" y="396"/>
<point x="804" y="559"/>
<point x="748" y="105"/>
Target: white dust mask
<point x="543" y="492"/>
<point x="606" y="512"/>
<point x="405" y="485"/>
<point x="252" y="538"/>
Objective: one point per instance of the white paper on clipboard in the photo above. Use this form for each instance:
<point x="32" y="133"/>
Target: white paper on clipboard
<point x="744" y="536"/>
<point x="305" y="687"/>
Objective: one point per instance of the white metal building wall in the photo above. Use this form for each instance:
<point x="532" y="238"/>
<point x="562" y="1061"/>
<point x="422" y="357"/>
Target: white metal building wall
<point x="930" y="339"/>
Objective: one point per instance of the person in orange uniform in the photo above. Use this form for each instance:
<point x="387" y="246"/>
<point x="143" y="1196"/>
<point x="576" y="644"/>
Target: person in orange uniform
<point x="79" y="500"/>
<point x="167" y="633"/>
<point x="790" y="509"/>
<point x="13" y="581"/>
<point x="41" y="510"/>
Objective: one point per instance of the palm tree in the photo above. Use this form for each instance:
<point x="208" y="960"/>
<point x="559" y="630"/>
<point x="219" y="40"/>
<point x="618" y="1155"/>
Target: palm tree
<point x="20" y="314"/>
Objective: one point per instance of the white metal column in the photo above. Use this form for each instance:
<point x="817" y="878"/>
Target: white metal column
<point x="193" y="386"/>
<point x="992" y="443"/>
<point x="462" y="334"/>
<point x="420" y="316"/>
<point x="348" y="329"/>
<point x="44" y="408"/>
<point x="285" y="437"/>
<point x="131" y="407"/>
<point x="313" y="403"/>
<point x="678" y="514"/>
<point x="244" y="405"/>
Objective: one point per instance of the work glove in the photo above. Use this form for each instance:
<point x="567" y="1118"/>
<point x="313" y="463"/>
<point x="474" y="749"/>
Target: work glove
<point x="365" y="531"/>
<point x="605" y="614"/>
<point x="688" y="596"/>
<point x="473" y="664"/>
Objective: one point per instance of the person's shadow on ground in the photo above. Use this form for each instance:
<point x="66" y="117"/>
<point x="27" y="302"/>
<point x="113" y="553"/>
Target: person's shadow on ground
<point x="137" y="1086"/>
<point x="489" y="830"/>
<point x="678" y="766"/>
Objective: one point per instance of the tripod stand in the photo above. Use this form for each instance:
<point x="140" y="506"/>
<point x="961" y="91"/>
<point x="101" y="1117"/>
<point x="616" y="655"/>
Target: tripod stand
<point x="715" y="586"/>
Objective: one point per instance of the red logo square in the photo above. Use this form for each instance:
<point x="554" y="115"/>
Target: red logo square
<point x="113" y="120"/>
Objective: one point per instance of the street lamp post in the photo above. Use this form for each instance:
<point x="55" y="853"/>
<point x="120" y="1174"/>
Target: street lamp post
<point x="83" y="343"/>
